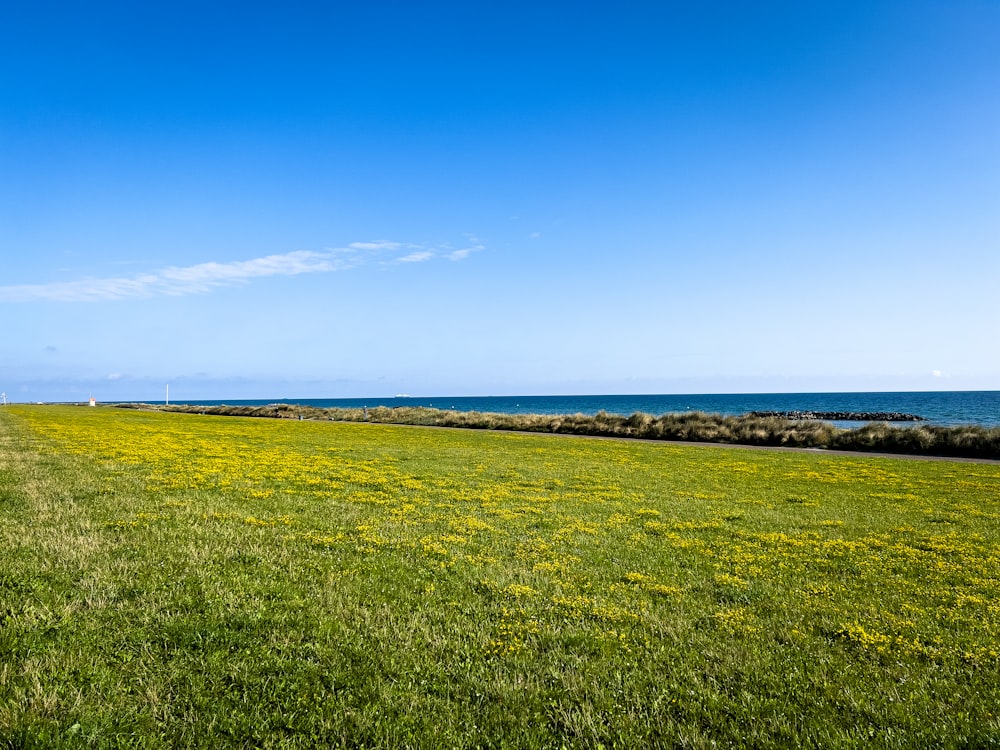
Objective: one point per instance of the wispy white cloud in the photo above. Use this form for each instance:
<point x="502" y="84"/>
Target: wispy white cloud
<point x="417" y="257"/>
<point x="465" y="252"/>
<point x="178" y="281"/>
<point x="378" y="245"/>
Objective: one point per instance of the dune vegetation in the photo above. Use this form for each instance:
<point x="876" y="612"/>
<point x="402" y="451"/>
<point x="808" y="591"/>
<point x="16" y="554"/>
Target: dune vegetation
<point x="968" y="441"/>
<point x="173" y="580"/>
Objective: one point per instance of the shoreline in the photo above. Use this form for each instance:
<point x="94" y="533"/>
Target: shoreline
<point x="938" y="408"/>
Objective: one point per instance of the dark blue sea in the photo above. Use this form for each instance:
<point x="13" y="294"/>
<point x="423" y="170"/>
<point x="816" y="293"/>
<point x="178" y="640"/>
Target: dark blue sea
<point x="946" y="408"/>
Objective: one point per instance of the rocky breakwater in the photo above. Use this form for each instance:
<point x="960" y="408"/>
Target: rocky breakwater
<point x="844" y="416"/>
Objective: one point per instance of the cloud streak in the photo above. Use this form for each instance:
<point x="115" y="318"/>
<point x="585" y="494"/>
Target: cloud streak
<point x="418" y="257"/>
<point x="178" y="281"/>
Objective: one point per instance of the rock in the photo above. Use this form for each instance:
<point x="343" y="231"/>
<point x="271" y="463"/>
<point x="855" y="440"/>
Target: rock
<point x="844" y="416"/>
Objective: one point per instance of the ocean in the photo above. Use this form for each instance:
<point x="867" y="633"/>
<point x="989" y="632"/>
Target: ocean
<point x="945" y="408"/>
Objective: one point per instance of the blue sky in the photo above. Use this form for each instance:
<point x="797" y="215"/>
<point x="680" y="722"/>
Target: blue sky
<point x="262" y="200"/>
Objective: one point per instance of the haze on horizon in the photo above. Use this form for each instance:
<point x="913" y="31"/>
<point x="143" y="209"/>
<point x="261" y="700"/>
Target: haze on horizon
<point x="334" y="200"/>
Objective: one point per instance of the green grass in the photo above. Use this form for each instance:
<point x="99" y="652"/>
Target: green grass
<point x="967" y="441"/>
<point x="172" y="580"/>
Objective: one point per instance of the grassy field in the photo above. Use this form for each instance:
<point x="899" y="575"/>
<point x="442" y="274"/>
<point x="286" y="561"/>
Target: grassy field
<point x="172" y="580"/>
<point x="968" y="441"/>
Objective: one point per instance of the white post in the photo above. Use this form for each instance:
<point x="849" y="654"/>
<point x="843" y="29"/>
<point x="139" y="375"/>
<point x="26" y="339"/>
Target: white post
<point x="167" y="402"/>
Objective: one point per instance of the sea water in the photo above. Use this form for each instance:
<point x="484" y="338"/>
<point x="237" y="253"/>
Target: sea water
<point x="945" y="408"/>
